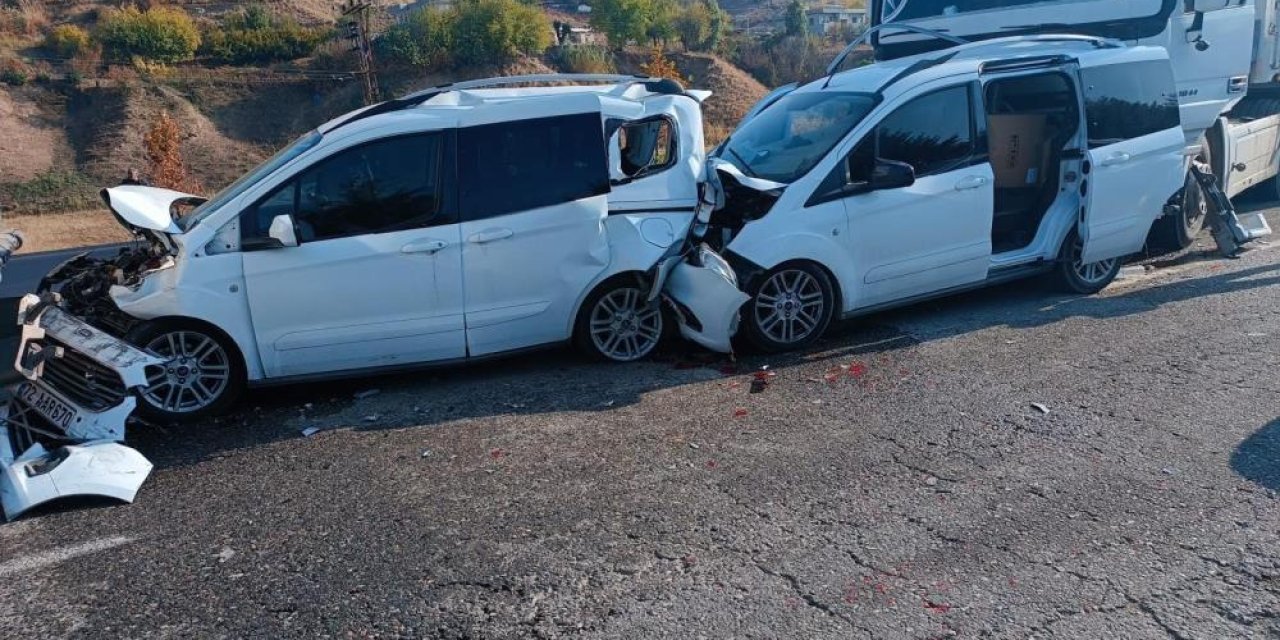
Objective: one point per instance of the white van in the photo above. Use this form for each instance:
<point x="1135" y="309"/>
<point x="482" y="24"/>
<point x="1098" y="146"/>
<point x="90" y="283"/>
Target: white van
<point x="945" y="171"/>
<point x="461" y="222"/>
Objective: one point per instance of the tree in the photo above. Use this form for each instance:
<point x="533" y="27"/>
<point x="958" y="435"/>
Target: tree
<point x="795" y="22"/>
<point x="660" y="66"/>
<point x="495" y="31"/>
<point x="622" y="21"/>
<point x="163" y="143"/>
<point x="693" y="26"/>
<point x="661" y="23"/>
<point x="719" y="26"/>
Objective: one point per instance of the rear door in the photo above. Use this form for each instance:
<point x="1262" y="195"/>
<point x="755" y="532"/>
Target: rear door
<point x="534" y="191"/>
<point x="1136" y="144"/>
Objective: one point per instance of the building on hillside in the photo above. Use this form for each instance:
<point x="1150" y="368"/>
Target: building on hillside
<point x="830" y="19"/>
<point x="572" y="34"/>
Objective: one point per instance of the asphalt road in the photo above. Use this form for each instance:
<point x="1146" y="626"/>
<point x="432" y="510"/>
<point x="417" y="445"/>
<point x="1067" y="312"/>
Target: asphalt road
<point x="1011" y="463"/>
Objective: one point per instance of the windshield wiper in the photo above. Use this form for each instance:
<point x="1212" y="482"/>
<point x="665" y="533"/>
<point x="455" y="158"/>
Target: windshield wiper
<point x="746" y="168"/>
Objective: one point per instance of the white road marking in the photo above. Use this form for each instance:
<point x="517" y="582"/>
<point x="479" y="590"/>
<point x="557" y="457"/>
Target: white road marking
<point x="58" y="556"/>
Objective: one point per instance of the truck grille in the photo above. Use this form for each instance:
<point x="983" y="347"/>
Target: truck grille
<point x="82" y="380"/>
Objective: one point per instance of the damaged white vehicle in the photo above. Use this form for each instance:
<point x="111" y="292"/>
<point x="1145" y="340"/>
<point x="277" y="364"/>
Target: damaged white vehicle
<point x="461" y="222"/>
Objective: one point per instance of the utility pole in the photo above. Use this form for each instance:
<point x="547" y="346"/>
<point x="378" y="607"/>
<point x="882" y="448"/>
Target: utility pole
<point x="355" y="29"/>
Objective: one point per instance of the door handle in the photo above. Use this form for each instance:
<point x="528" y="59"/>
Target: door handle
<point x="1116" y="158"/>
<point x="490" y="235"/>
<point x="428" y="246"/>
<point x="972" y="182"/>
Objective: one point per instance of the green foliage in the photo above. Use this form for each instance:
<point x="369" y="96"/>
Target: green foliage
<point x="700" y="26"/>
<point x="781" y="60"/>
<point x="795" y="22"/>
<point x="661" y="21"/>
<point x="474" y="32"/>
<point x="159" y="34"/>
<point x="422" y="39"/>
<point x="50" y="192"/>
<point x="622" y="21"/>
<point x="586" y="59"/>
<point x="255" y="35"/>
<point x="67" y="41"/>
<point x="496" y="31"/>
<point x="14" y="72"/>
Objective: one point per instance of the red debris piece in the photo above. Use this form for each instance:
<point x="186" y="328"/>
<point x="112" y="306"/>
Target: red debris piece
<point x="497" y="454"/>
<point x="689" y="560"/>
<point x="711" y="464"/>
<point x="857" y="369"/>
<point x="739" y="413"/>
<point x="938" y="608"/>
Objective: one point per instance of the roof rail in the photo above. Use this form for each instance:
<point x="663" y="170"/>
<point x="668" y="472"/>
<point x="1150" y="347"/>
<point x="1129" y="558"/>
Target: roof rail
<point x="834" y="67"/>
<point x="1021" y="64"/>
<point x="656" y="85"/>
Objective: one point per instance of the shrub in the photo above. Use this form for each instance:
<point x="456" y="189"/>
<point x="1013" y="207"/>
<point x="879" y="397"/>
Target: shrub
<point x="159" y="34"/>
<point x="474" y="32"/>
<point x="586" y="59"/>
<point x="14" y="72"/>
<point x="660" y="66"/>
<point x="67" y="41"/>
<point x="53" y="191"/>
<point x="496" y="31"/>
<point x="23" y="18"/>
<point x="423" y="39"/>
<point x="254" y="35"/>
<point x="163" y="143"/>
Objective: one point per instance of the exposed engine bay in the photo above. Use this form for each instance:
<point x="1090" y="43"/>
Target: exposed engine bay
<point x="84" y="282"/>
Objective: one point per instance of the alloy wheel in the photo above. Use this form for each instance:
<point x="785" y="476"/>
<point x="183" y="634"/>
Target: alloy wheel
<point x="1090" y="273"/>
<point x="625" y="326"/>
<point x="790" y="306"/>
<point x="197" y="372"/>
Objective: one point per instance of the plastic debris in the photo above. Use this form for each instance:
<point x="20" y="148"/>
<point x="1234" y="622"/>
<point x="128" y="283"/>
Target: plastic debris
<point x="310" y="431"/>
<point x="694" y="446"/>
<point x="372" y="418"/>
<point x="367" y="393"/>
<point x="1040" y="407"/>
<point x="740" y="412"/>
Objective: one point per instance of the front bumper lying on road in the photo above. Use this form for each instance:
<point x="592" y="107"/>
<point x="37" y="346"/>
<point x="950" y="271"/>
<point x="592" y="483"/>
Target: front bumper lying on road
<point x="60" y="431"/>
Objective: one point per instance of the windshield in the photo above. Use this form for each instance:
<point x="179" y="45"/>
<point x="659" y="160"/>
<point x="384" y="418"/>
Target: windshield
<point x="281" y="158"/>
<point x="918" y="9"/>
<point x="792" y="135"/>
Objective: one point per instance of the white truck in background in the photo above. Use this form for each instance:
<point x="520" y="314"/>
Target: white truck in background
<point x="1226" y="60"/>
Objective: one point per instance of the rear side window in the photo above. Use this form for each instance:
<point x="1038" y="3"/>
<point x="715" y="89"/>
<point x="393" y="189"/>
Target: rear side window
<point x="1127" y="101"/>
<point x="378" y="187"/>
<point x="530" y="164"/>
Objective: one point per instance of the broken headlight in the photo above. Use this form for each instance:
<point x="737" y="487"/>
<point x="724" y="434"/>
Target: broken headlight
<point x="709" y="259"/>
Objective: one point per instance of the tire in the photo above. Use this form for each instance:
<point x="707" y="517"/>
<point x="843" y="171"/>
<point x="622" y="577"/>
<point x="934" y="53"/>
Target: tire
<point x="204" y="375"/>
<point x="618" y="324"/>
<point x="1072" y="276"/>
<point x="790" y="308"/>
<point x="1178" y="231"/>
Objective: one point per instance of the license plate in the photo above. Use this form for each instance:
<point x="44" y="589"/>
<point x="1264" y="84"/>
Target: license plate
<point x="45" y="404"/>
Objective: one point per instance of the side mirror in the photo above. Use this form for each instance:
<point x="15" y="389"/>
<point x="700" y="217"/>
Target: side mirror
<point x="283" y="231"/>
<point x="890" y="174"/>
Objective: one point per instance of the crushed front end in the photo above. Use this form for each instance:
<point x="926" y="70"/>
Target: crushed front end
<point x="63" y="423"/>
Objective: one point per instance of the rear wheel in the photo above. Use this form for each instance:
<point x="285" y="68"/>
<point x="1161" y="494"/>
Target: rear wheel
<point x="618" y="323"/>
<point x="202" y="374"/>
<point x="791" y="309"/>
<point x="1075" y="275"/>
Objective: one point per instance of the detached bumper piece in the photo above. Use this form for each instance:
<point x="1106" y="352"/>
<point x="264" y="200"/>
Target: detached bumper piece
<point x="704" y="292"/>
<point x="60" y="432"/>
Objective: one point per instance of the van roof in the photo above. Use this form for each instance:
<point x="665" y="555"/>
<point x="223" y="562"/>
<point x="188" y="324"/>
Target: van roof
<point x="959" y="60"/>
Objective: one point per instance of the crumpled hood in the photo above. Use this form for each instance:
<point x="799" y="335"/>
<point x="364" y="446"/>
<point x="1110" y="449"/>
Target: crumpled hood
<point x="150" y="208"/>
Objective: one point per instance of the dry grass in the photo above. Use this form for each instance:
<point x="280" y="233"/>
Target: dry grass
<point x="51" y="231"/>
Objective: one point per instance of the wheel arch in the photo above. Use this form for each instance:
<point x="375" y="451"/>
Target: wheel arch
<point x="751" y="263"/>
<point x="589" y="291"/>
<point x="203" y="325"/>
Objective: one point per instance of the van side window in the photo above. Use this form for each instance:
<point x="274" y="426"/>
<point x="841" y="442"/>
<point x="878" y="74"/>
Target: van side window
<point x="378" y="187"/>
<point x="1127" y="101"/>
<point x="530" y="164"/>
<point x="932" y="133"/>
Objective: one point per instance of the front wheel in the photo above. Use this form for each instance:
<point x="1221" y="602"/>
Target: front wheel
<point x="202" y="375"/>
<point x="1178" y="230"/>
<point x="1076" y="276"/>
<point x="791" y="309"/>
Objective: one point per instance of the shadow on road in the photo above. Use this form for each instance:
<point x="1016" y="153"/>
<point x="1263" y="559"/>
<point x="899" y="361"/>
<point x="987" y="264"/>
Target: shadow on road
<point x="1257" y="459"/>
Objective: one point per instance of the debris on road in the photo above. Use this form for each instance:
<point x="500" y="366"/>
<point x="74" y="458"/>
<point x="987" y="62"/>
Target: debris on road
<point x="310" y="431"/>
<point x="760" y="379"/>
<point x="740" y="412"/>
<point x="1040" y="407"/>
<point x="367" y="393"/>
<point x="372" y="418"/>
